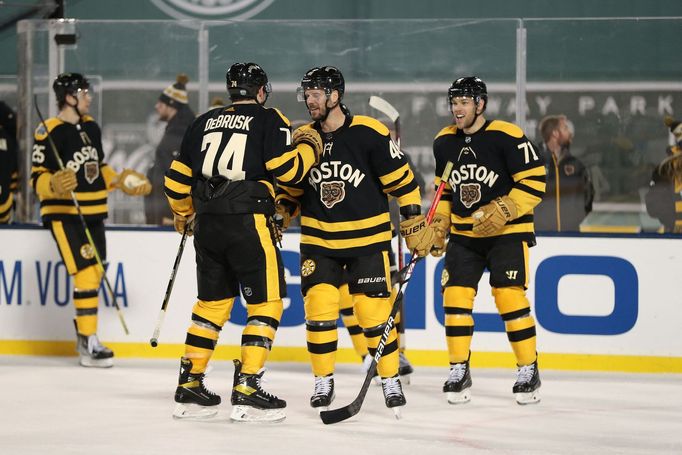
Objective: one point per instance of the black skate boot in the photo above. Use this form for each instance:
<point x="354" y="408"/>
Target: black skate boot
<point x="193" y="399"/>
<point x="404" y="369"/>
<point x="458" y="385"/>
<point x="250" y="403"/>
<point x="324" y="392"/>
<point x="393" y="394"/>
<point x="527" y="387"/>
<point x="93" y="353"/>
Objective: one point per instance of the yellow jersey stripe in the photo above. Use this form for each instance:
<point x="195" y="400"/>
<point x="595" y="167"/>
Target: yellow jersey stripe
<point x="345" y="225"/>
<point x="535" y="172"/>
<point x="181" y="168"/>
<point x="348" y="243"/>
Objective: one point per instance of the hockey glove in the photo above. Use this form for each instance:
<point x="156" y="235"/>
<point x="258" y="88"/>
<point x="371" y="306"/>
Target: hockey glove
<point x="490" y="218"/>
<point x="441" y="227"/>
<point x="133" y="183"/>
<point x="63" y="182"/>
<point x="180" y="221"/>
<point x="418" y="236"/>
<point x="310" y="136"/>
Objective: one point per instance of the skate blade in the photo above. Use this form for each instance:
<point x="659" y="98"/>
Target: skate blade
<point x="458" y="397"/>
<point x="192" y="411"/>
<point x="89" y="362"/>
<point x="243" y="413"/>
<point x="528" y="398"/>
<point x="397" y="412"/>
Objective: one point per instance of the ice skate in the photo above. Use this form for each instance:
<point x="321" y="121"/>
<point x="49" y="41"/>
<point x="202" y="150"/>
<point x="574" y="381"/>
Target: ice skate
<point x="457" y="387"/>
<point x="250" y="403"/>
<point x="404" y="369"/>
<point x="92" y="353"/>
<point x="527" y="387"/>
<point x="324" y="392"/>
<point x="393" y="394"/>
<point x="194" y="400"/>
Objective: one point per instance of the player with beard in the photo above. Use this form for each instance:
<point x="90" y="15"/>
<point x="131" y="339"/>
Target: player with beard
<point x="346" y="229"/>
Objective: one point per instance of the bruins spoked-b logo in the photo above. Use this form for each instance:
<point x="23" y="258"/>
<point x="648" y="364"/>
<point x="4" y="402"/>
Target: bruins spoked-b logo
<point x="444" y="277"/>
<point x="332" y="193"/>
<point x="469" y="193"/>
<point x="87" y="251"/>
<point x="308" y="267"/>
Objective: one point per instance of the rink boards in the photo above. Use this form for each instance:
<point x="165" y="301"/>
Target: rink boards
<point x="600" y="303"/>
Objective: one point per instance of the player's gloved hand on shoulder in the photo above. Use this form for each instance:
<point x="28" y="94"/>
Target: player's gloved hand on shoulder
<point x="441" y="228"/>
<point x="490" y="218"/>
<point x="133" y="183"/>
<point x="180" y="222"/>
<point x="311" y="137"/>
<point x="63" y="182"/>
<point x="418" y="236"/>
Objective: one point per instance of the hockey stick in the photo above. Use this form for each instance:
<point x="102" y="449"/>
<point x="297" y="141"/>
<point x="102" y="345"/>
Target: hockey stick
<point x="386" y="108"/>
<point x="154" y="340"/>
<point x="60" y="163"/>
<point x="346" y="412"/>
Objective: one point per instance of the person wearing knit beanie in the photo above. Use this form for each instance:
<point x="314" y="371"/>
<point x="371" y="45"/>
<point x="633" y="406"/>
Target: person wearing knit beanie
<point x="172" y="107"/>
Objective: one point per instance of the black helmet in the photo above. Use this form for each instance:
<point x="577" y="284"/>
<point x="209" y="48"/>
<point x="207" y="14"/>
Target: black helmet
<point x="326" y="77"/>
<point x="245" y="79"/>
<point x="471" y="86"/>
<point x="69" y="84"/>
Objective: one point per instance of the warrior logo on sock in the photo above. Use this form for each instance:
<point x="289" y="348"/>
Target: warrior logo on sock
<point x="308" y="267"/>
<point x="469" y="194"/>
<point x="332" y="193"/>
<point x="87" y="251"/>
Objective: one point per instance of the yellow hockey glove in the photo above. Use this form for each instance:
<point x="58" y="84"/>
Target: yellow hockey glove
<point x="180" y="221"/>
<point x="490" y="218"/>
<point x="418" y="236"/>
<point x="63" y="182"/>
<point x="310" y="136"/>
<point x="441" y="227"/>
<point x="133" y="183"/>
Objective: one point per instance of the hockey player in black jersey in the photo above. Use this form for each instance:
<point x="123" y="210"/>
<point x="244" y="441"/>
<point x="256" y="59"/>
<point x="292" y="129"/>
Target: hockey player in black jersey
<point x="346" y="229"/>
<point x="230" y="160"/>
<point x="497" y="179"/>
<point x="9" y="172"/>
<point x="88" y="179"/>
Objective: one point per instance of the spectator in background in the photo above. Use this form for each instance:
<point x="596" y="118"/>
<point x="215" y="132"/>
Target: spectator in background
<point x="569" y="194"/>
<point x="9" y="173"/>
<point x="664" y="198"/>
<point x="172" y="107"/>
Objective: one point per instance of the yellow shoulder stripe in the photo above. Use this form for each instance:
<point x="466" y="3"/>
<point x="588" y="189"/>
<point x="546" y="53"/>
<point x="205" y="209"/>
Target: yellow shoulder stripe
<point x="282" y="116"/>
<point x="450" y="129"/>
<point x="52" y="123"/>
<point x="370" y="122"/>
<point x="506" y="127"/>
<point x="87" y="118"/>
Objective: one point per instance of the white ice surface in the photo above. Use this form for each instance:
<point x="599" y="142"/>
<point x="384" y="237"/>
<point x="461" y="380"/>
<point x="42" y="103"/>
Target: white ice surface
<point x="53" y="406"/>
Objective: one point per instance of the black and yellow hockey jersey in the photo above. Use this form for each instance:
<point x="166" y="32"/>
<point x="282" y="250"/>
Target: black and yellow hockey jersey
<point x="80" y="149"/>
<point x="496" y="160"/>
<point x="343" y="201"/>
<point x="239" y="149"/>
<point x="9" y="175"/>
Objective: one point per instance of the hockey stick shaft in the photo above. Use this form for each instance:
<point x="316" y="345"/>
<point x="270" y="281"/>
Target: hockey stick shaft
<point x="154" y="340"/>
<point x="74" y="199"/>
<point x="341" y="414"/>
